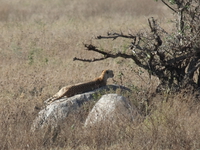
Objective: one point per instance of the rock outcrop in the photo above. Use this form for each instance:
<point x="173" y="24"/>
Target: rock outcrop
<point x="110" y="109"/>
<point x="60" y="109"/>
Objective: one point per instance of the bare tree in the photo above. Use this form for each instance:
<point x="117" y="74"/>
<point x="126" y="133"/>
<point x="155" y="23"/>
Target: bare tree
<point x="173" y="57"/>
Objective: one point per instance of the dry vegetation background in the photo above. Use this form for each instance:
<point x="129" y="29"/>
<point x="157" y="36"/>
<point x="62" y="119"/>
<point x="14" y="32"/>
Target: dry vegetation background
<point x="38" y="40"/>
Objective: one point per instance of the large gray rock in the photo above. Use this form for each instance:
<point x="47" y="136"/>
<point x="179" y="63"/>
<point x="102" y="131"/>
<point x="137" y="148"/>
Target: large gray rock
<point x="111" y="108"/>
<point x="60" y="109"/>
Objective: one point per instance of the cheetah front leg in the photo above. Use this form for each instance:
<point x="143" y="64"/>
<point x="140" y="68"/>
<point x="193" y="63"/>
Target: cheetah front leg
<point x="61" y="93"/>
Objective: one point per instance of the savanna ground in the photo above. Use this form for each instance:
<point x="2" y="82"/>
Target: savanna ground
<point x="38" y="40"/>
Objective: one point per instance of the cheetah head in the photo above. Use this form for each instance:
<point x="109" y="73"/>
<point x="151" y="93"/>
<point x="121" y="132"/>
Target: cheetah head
<point x="107" y="74"/>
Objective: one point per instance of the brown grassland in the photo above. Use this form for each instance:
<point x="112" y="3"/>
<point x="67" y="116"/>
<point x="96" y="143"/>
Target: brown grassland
<point x="38" y="40"/>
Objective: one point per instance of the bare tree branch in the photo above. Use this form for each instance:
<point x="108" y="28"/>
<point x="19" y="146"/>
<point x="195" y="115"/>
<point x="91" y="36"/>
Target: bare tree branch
<point x="90" y="47"/>
<point x="169" y="6"/>
<point x="115" y="36"/>
<point x="88" y="60"/>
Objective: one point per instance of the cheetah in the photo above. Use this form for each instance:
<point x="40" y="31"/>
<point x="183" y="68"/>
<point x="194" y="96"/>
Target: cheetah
<point x="69" y="91"/>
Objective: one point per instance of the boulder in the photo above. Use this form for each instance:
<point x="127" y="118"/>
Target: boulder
<point x="110" y="109"/>
<point x="59" y="110"/>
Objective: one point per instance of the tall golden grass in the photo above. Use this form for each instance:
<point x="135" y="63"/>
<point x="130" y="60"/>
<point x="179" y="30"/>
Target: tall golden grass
<point x="38" y="40"/>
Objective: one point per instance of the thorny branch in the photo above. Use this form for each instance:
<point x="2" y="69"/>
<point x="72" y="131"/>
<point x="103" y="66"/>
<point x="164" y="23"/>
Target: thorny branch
<point x="142" y="56"/>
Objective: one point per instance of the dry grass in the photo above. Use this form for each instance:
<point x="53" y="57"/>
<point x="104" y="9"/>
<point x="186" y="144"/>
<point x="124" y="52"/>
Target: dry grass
<point x="38" y="40"/>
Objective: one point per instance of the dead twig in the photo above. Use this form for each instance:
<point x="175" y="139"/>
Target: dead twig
<point x="115" y="36"/>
